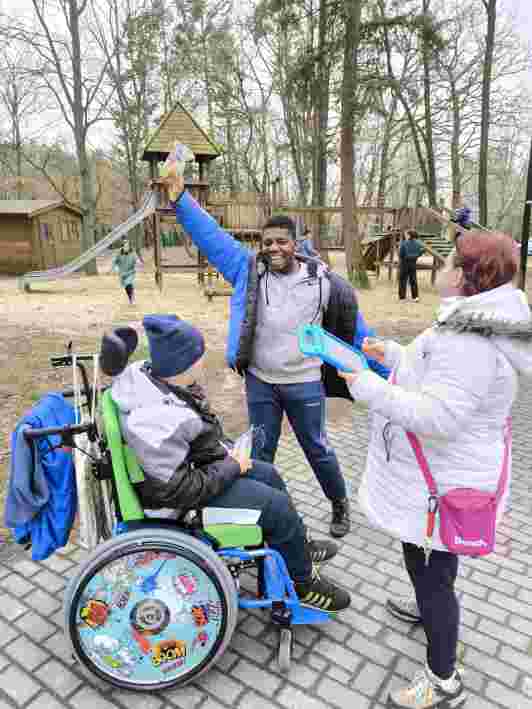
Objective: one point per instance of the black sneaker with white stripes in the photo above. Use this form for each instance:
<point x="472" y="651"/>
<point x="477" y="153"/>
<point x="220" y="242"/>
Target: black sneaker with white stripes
<point x="319" y="592"/>
<point x="321" y="550"/>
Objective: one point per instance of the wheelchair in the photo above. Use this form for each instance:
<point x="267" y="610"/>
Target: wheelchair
<point x="154" y="605"/>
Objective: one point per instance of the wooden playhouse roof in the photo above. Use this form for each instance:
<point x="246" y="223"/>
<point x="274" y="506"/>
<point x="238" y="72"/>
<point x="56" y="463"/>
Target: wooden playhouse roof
<point x="33" y="207"/>
<point x="179" y="125"/>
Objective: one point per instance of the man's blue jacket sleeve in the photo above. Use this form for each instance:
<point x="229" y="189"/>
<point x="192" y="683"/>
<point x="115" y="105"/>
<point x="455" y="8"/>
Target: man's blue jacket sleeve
<point x="225" y="254"/>
<point x="220" y="248"/>
<point x="362" y="332"/>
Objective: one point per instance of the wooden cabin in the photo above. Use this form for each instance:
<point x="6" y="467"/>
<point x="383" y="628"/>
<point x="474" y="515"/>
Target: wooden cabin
<point x="37" y="234"/>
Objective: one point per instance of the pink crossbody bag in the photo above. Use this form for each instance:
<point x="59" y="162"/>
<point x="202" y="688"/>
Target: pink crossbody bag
<point x="467" y="516"/>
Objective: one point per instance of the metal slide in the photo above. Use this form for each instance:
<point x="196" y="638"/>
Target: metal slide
<point x="150" y="204"/>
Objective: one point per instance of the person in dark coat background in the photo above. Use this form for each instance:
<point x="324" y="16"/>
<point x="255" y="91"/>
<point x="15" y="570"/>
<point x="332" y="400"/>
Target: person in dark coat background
<point x="409" y="252"/>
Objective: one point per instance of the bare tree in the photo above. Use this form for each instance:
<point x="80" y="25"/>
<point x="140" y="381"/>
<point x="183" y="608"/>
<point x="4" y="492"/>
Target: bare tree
<point x="75" y="78"/>
<point x="353" y="251"/>
<point x="127" y="31"/>
<point x="491" y="11"/>
<point x="19" y="96"/>
<point x="427" y="49"/>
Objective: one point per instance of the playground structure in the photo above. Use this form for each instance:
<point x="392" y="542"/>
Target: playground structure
<point x="380" y="248"/>
<point x="147" y="209"/>
<point x="242" y="217"/>
<point x="245" y="214"/>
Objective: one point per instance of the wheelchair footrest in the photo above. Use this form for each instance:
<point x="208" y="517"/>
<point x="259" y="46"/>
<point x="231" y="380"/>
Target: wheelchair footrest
<point x="235" y="535"/>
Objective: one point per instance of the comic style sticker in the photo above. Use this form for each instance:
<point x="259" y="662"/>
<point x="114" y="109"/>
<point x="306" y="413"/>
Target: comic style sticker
<point x="95" y="613"/>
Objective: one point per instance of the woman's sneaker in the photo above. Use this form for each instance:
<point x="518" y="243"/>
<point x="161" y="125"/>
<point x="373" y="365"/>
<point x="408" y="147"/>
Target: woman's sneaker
<point x="427" y="690"/>
<point x="405" y="609"/>
<point x="319" y="592"/>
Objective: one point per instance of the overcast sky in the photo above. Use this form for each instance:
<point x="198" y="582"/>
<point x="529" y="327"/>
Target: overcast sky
<point x="523" y="13"/>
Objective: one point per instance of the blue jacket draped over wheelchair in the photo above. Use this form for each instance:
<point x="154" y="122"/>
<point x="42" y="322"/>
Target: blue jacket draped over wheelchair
<point x="41" y="500"/>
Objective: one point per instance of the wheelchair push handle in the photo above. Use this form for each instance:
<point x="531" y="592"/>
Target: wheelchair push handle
<point x="65" y="431"/>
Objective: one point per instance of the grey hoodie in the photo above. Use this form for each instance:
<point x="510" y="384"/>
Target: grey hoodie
<point x="286" y="301"/>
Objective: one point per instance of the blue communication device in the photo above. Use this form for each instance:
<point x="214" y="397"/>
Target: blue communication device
<point x="314" y="341"/>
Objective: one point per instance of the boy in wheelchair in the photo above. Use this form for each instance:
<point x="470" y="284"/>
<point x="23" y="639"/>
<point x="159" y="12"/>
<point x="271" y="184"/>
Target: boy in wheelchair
<point x="167" y="421"/>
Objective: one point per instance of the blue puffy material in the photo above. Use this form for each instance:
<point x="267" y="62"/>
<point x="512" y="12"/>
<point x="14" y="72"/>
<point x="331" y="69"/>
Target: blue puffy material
<point x="226" y="255"/>
<point x="362" y="332"/>
<point x="41" y="501"/>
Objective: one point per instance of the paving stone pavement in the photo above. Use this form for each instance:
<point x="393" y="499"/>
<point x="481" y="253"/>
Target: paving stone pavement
<point x="351" y="662"/>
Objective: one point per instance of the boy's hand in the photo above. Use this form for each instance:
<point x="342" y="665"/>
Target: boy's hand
<point x="374" y="349"/>
<point x="350" y="377"/>
<point x="244" y="461"/>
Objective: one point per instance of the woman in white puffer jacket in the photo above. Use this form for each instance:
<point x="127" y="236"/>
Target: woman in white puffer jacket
<point x="454" y="387"/>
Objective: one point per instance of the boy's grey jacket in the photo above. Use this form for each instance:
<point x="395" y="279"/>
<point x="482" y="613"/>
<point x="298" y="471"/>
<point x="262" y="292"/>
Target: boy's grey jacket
<point x="162" y="429"/>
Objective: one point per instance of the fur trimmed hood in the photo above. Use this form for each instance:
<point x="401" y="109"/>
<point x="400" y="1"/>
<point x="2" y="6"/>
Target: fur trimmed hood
<point x="502" y="314"/>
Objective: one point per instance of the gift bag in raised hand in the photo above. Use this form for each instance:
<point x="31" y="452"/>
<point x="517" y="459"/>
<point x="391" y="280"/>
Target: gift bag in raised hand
<point x="174" y="167"/>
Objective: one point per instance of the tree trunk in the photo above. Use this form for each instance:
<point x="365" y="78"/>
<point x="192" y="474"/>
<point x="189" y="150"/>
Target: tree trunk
<point x="232" y="177"/>
<point x="456" y="173"/>
<point x="321" y="122"/>
<point x="384" y="162"/>
<point x="207" y="76"/>
<point x="88" y="205"/>
<point x="398" y="92"/>
<point x="491" y="9"/>
<point x="353" y="250"/>
<point x="429" y="144"/>
<point x="525" y="235"/>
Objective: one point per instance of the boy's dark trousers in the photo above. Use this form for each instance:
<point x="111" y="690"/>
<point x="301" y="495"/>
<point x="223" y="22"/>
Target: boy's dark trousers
<point x="262" y="489"/>
<point x="407" y="273"/>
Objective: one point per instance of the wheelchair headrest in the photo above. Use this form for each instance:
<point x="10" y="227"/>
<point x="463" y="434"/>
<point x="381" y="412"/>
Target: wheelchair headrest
<point x="116" y="349"/>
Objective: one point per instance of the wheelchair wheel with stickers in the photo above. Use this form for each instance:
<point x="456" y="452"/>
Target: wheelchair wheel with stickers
<point x="150" y="610"/>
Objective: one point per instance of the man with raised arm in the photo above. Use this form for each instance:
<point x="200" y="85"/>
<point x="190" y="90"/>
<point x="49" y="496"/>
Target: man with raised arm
<point x="276" y="291"/>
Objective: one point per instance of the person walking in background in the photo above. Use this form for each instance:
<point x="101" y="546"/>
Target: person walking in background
<point x="453" y="387"/>
<point x="125" y="264"/>
<point x="409" y="252"/>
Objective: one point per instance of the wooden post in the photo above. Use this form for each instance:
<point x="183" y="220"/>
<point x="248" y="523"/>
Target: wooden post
<point x="157" y="250"/>
<point x="156" y="225"/>
<point x="378" y="261"/>
<point x="392" y="256"/>
<point x="434" y="271"/>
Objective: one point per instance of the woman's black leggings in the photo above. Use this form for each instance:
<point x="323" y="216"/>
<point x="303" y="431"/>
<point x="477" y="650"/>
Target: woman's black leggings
<point x="438" y="605"/>
<point x="129" y="290"/>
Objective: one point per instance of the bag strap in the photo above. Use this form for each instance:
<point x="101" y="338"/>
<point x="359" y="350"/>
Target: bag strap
<point x="424" y="466"/>
<point x="506" y="459"/>
<point x="422" y="462"/>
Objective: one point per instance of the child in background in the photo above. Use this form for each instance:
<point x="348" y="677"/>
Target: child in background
<point x="125" y="264"/>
